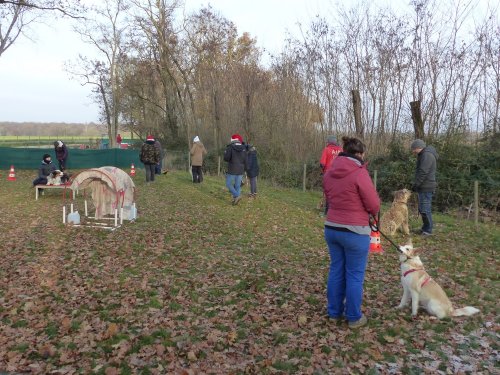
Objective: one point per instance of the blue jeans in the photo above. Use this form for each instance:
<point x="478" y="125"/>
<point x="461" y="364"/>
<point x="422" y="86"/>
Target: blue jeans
<point x="348" y="259"/>
<point x="425" y="209"/>
<point x="233" y="183"/>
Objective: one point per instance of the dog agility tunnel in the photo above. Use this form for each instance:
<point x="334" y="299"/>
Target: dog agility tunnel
<point x="112" y="190"/>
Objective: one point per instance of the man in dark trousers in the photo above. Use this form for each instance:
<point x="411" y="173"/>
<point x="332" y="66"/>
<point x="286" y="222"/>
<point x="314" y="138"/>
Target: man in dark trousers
<point x="425" y="181"/>
<point x="236" y="157"/>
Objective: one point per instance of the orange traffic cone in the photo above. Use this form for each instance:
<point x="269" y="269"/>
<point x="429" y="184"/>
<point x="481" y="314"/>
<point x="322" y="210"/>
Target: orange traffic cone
<point x="375" y="246"/>
<point x="132" y="170"/>
<point x="12" y="174"/>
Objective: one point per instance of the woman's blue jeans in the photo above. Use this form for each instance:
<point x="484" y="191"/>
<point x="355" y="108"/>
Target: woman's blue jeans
<point x="425" y="209"/>
<point x="233" y="183"/>
<point x="348" y="259"/>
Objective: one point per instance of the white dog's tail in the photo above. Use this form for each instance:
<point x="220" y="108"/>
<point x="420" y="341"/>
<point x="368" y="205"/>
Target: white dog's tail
<point x="467" y="310"/>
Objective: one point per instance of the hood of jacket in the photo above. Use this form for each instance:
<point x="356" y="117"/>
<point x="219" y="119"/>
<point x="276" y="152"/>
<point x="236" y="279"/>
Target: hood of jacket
<point x="431" y="150"/>
<point x="346" y="164"/>
<point x="238" y="147"/>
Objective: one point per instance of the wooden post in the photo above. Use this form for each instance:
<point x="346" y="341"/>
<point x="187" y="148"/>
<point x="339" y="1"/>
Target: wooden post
<point x="375" y="179"/>
<point x="304" y="178"/>
<point x="189" y="163"/>
<point x="476" y="202"/>
<point x="218" y="166"/>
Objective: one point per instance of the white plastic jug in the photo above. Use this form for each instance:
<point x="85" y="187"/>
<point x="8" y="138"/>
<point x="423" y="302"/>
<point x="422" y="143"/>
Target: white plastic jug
<point x="133" y="213"/>
<point x="74" y="218"/>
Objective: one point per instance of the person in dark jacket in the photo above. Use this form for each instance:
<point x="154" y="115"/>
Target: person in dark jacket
<point x="150" y="157"/>
<point x="252" y="169"/>
<point x="347" y="232"/>
<point x="159" y="166"/>
<point x="236" y="157"/>
<point x="61" y="154"/>
<point x="44" y="170"/>
<point x="425" y="181"/>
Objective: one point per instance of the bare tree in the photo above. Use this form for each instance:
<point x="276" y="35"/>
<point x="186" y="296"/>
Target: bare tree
<point x="16" y="16"/>
<point x="106" y="32"/>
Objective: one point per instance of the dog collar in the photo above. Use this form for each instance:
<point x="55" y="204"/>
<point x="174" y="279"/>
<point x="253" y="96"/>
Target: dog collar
<point x="412" y="270"/>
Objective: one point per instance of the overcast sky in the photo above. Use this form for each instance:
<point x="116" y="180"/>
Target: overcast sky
<point x="35" y="87"/>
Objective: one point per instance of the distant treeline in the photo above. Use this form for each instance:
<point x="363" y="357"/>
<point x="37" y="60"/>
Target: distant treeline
<point x="51" y="129"/>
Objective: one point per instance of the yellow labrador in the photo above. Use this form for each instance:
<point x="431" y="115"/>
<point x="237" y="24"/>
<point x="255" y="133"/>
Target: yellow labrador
<point x="422" y="289"/>
<point x="397" y="216"/>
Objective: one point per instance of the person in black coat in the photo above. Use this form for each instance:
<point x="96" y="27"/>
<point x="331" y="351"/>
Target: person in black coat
<point x="236" y="157"/>
<point x="425" y="182"/>
<point x="252" y="169"/>
<point x="44" y="170"/>
<point x="61" y="154"/>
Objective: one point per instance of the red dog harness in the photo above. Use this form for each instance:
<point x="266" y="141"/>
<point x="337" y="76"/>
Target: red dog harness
<point x="418" y="269"/>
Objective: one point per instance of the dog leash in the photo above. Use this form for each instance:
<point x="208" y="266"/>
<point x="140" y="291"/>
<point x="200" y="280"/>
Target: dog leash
<point x="374" y="227"/>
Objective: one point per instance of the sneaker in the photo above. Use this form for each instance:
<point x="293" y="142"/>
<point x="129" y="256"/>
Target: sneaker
<point x="336" y="320"/>
<point x="426" y="233"/>
<point x="236" y="200"/>
<point x="359" y="323"/>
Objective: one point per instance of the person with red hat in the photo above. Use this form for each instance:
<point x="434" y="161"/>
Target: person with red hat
<point x="236" y="157"/>
<point x="150" y="157"/>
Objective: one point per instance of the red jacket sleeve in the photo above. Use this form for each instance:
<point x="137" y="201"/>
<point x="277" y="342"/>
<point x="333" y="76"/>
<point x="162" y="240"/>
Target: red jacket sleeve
<point x="324" y="158"/>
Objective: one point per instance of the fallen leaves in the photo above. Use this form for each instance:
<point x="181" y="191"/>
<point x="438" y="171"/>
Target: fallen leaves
<point x="198" y="286"/>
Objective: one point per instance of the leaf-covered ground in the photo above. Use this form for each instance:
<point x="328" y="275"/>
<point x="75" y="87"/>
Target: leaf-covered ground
<point x="197" y="286"/>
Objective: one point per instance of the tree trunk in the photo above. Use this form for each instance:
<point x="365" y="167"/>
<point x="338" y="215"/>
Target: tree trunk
<point x="416" y="116"/>
<point x="247" y="117"/>
<point x="217" y="120"/>
<point x="356" y="101"/>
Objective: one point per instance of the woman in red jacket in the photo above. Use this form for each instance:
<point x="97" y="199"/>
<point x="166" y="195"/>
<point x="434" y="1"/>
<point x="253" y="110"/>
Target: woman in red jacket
<point x="352" y="198"/>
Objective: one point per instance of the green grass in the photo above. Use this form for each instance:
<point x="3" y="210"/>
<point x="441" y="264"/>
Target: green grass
<point x="228" y="283"/>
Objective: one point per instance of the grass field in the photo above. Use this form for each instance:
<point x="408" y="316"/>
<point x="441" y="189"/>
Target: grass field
<point x="199" y="286"/>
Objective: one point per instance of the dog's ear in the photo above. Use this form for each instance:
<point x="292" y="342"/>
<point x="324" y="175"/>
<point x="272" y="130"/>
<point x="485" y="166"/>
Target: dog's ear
<point x="417" y="251"/>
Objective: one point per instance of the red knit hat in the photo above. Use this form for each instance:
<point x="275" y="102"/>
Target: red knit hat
<point x="236" y="138"/>
<point x="150" y="138"/>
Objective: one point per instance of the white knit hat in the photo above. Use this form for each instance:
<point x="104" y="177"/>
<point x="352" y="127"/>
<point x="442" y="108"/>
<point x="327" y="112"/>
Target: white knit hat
<point x="196" y="139"/>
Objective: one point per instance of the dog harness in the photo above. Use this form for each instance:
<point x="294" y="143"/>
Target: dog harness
<point x="418" y="269"/>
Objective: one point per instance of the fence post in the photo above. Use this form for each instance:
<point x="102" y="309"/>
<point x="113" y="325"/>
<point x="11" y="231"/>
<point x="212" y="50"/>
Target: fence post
<point x="476" y="202"/>
<point x="218" y="166"/>
<point x="189" y="163"/>
<point x="304" y="178"/>
<point x="375" y="178"/>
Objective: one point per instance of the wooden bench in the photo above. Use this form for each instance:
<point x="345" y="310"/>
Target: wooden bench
<point x="43" y="187"/>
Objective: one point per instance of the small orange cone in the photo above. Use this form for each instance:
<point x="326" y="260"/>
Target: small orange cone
<point x="12" y="174"/>
<point x="132" y="170"/>
<point x="375" y="246"/>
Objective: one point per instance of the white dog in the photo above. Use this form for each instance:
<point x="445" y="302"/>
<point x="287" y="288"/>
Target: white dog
<point x="423" y="290"/>
<point x="55" y="178"/>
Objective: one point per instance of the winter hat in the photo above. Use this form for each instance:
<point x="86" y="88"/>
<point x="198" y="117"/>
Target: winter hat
<point x="236" y="138"/>
<point x="331" y="139"/>
<point x="150" y="138"/>
<point x="417" y="143"/>
<point x="196" y="139"/>
<point x="45" y="156"/>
